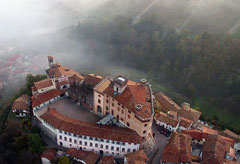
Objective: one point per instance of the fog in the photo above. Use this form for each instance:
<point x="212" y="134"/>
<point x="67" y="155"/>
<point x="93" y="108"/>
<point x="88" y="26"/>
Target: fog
<point x="38" y="25"/>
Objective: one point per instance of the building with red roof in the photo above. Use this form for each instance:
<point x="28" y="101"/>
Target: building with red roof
<point x="130" y="102"/>
<point x="44" y="85"/>
<point x="103" y="139"/>
<point x="21" y="106"/>
<point x="107" y="160"/>
<point x="178" y="149"/>
<point x="85" y="157"/>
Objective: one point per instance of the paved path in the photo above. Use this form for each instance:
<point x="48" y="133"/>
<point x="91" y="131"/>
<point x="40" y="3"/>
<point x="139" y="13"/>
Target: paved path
<point x="160" y="142"/>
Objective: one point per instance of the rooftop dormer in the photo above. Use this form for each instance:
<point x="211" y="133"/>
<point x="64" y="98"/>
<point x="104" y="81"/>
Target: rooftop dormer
<point x="119" y="84"/>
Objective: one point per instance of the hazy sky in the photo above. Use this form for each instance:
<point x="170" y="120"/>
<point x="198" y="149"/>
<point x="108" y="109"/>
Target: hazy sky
<point x="21" y="18"/>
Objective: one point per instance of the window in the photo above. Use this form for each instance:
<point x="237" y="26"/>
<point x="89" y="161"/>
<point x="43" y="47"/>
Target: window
<point x="60" y="131"/>
<point x="128" y="124"/>
<point x="107" y="141"/>
<point x="99" y="95"/>
<point x="129" y="111"/>
<point x="75" y="141"/>
<point x="80" y="142"/>
<point x="123" y="149"/>
<point x="112" y="112"/>
<point x="118" y="117"/>
<point x="118" y="104"/>
<point x="91" y="144"/>
<point x="106" y="107"/>
<point x="99" y="101"/>
<point x="90" y="138"/>
<point x="122" y="119"/>
<point x="107" y="101"/>
<point x="144" y="131"/>
<point x="113" y="142"/>
<point x="96" y="139"/>
<point x="80" y="136"/>
<point x="112" y="153"/>
<point x="112" y="99"/>
<point x="60" y="137"/>
<point x="112" y="104"/>
<point x="118" y="109"/>
<point x="106" y="146"/>
<point x="74" y="135"/>
<point x="65" y="138"/>
<point x="134" y="150"/>
<point x="101" y="146"/>
<point x="85" y="137"/>
<point x="112" y="148"/>
<point x="96" y="145"/>
<point x="129" y="116"/>
<point x="61" y="143"/>
<point x="128" y="150"/>
<point x="85" y="143"/>
<point x="122" y="112"/>
<point x="65" y="133"/>
<point x="70" y="140"/>
<point x="117" y="148"/>
<point x="70" y="144"/>
<point x="145" y="125"/>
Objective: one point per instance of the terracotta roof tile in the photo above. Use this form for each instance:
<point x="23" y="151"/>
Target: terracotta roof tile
<point x="185" y="123"/>
<point x="136" y="156"/>
<point x="214" y="150"/>
<point x="43" y="84"/>
<point x="167" y="102"/>
<point x="133" y="95"/>
<point x="49" y="153"/>
<point x="92" y="79"/>
<point x="87" y="156"/>
<point x="178" y="149"/>
<point x="21" y="103"/>
<point x="190" y="114"/>
<point x="107" y="160"/>
<point x="40" y="98"/>
<point x="163" y="117"/>
<point x="65" y="123"/>
<point x="194" y="133"/>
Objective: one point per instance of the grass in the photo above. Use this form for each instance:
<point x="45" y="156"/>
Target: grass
<point x="217" y="114"/>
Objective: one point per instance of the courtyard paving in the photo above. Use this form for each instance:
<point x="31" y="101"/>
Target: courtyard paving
<point x="69" y="108"/>
<point x="160" y="142"/>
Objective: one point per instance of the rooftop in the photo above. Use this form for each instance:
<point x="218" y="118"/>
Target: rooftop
<point x="92" y="79"/>
<point x="40" y="98"/>
<point x="107" y="160"/>
<point x="136" y="157"/>
<point x="49" y="154"/>
<point x="86" y="156"/>
<point x="167" y="102"/>
<point x="21" y="103"/>
<point x="163" y="117"/>
<point x="43" y="84"/>
<point x="59" y="121"/>
<point x="178" y="149"/>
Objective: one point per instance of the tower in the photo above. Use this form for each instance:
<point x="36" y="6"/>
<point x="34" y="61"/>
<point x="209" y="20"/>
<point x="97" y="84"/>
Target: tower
<point x="50" y="62"/>
<point x="119" y="84"/>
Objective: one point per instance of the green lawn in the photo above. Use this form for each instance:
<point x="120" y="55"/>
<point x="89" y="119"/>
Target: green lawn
<point x="210" y="111"/>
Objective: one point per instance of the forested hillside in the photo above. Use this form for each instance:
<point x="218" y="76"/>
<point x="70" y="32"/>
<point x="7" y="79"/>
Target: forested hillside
<point x="202" y="65"/>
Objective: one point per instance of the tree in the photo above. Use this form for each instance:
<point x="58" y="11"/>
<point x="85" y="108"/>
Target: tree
<point x="35" y="143"/>
<point x="64" y="160"/>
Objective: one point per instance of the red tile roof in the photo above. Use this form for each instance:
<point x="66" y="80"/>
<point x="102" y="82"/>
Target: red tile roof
<point x="86" y="156"/>
<point x="133" y="95"/>
<point x="107" y="160"/>
<point x="92" y="79"/>
<point x="178" y="149"/>
<point x="214" y="150"/>
<point x="185" y="123"/>
<point x="21" y="103"/>
<point x="43" y="84"/>
<point x="190" y="114"/>
<point x="163" y="117"/>
<point x="196" y="134"/>
<point x="167" y="102"/>
<point x="59" y="71"/>
<point x="136" y="157"/>
<point x="65" y="123"/>
<point x="40" y="98"/>
<point x="34" y="89"/>
<point x="49" y="153"/>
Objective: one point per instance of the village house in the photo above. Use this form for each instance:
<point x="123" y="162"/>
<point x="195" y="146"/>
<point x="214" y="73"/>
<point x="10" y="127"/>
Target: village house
<point x="21" y="106"/>
<point x="138" y="157"/>
<point x="44" y="86"/>
<point x="167" y="121"/>
<point x="178" y="149"/>
<point x="63" y="76"/>
<point x="84" y="157"/>
<point x="48" y="155"/>
<point x="130" y="102"/>
<point x="40" y="100"/>
<point x="102" y="139"/>
<point x="200" y="135"/>
<point x="218" y="151"/>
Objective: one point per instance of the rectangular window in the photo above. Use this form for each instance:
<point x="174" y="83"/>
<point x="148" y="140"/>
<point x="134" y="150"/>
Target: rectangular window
<point x="101" y="146"/>
<point x="80" y="142"/>
<point x="117" y="148"/>
<point x="91" y="144"/>
<point x="85" y="143"/>
<point x="96" y="145"/>
<point x="70" y="140"/>
<point x="65" y="138"/>
<point x="112" y="148"/>
<point x="60" y="137"/>
<point x="75" y="141"/>
<point x="106" y="146"/>
<point x="123" y="149"/>
<point x="60" y="131"/>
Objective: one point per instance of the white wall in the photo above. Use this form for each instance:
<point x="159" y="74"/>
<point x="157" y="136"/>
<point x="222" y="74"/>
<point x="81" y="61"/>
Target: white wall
<point x="169" y="127"/>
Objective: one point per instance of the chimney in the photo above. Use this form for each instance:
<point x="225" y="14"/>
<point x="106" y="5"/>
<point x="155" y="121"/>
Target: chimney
<point x="143" y="81"/>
